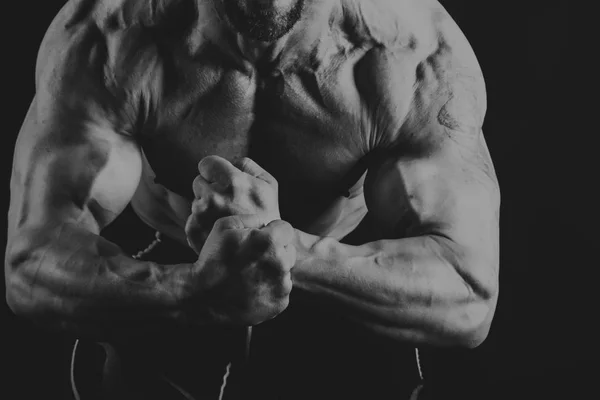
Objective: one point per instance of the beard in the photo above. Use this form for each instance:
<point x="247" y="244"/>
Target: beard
<point x="261" y="22"/>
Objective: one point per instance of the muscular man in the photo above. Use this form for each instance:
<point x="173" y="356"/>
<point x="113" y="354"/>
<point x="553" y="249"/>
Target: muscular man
<point x="357" y="122"/>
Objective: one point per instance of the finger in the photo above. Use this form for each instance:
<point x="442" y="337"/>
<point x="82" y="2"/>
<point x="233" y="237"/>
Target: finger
<point x="252" y="221"/>
<point x="206" y="212"/>
<point x="280" y="271"/>
<point x="201" y="187"/>
<point x="208" y="200"/>
<point x="250" y="167"/>
<point x="284" y="287"/>
<point x="286" y="258"/>
<point x="217" y="169"/>
<point x="275" y="272"/>
<point x="199" y="208"/>
<point x="195" y="235"/>
<point x="287" y="284"/>
<point x="281" y="232"/>
<point x="290" y="255"/>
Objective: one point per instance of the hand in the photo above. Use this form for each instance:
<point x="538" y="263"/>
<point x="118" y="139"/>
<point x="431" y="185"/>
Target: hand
<point x="243" y="273"/>
<point x="223" y="189"/>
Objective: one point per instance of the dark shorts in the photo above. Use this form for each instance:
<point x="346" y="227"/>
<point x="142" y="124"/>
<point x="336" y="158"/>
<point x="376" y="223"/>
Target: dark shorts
<point x="305" y="353"/>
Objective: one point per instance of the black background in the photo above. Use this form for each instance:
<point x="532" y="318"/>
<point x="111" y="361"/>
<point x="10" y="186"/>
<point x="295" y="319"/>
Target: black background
<point x="542" y="341"/>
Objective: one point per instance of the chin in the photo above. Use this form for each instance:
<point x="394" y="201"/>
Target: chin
<point x="263" y="20"/>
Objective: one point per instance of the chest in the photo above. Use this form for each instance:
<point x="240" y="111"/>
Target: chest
<point x="305" y="125"/>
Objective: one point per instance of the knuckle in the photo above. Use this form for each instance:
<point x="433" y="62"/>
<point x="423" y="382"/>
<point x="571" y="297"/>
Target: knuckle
<point x="198" y="181"/>
<point x="244" y="162"/>
<point x="206" y="162"/>
<point x="215" y="200"/>
<point x="224" y="223"/>
<point x="262" y="239"/>
<point x="282" y="304"/>
<point x="256" y="197"/>
<point x="270" y="241"/>
<point x="265" y="187"/>
<point x="281" y="256"/>
<point x="283" y="230"/>
<point x="255" y="236"/>
<point x="198" y="207"/>
<point x="261" y="193"/>
<point x="239" y="183"/>
<point x="198" y="186"/>
<point x="209" y="160"/>
<point x="287" y="284"/>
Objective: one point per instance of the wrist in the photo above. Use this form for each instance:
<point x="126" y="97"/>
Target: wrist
<point x="192" y="303"/>
<point x="177" y="283"/>
<point x="306" y="256"/>
<point x="304" y="244"/>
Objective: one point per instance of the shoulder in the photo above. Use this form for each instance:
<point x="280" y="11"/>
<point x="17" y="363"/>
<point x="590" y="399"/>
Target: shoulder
<point x="422" y="64"/>
<point x="390" y="24"/>
<point x="101" y="54"/>
<point x="124" y="13"/>
<point x="118" y="25"/>
<point x="410" y="27"/>
<point x="449" y="82"/>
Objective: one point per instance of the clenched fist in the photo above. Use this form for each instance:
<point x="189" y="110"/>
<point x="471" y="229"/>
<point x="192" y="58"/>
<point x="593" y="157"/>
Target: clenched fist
<point x="223" y="189"/>
<point x="243" y="272"/>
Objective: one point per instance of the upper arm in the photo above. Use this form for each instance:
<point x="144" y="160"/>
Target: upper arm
<point x="435" y="177"/>
<point x="75" y="159"/>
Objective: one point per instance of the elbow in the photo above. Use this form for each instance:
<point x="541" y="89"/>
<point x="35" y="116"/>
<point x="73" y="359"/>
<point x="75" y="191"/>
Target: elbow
<point x="475" y="315"/>
<point x="22" y="270"/>
<point x="13" y="283"/>
<point x="28" y="303"/>
<point x="12" y="301"/>
<point x="475" y="337"/>
<point x="18" y="295"/>
<point x="22" y="298"/>
<point x="16" y="301"/>
<point x="17" y="306"/>
<point x="476" y="322"/>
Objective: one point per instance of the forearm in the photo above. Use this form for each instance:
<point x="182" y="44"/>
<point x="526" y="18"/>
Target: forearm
<point x="79" y="282"/>
<point x="406" y="289"/>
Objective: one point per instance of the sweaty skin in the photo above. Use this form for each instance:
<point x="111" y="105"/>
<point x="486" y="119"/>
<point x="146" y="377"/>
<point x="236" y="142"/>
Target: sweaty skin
<point x="368" y="113"/>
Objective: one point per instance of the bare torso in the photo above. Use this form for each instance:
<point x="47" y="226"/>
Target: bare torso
<point x="314" y="112"/>
<point x="304" y="113"/>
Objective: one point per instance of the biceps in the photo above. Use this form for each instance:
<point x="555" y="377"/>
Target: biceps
<point x="452" y="194"/>
<point x="65" y="172"/>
